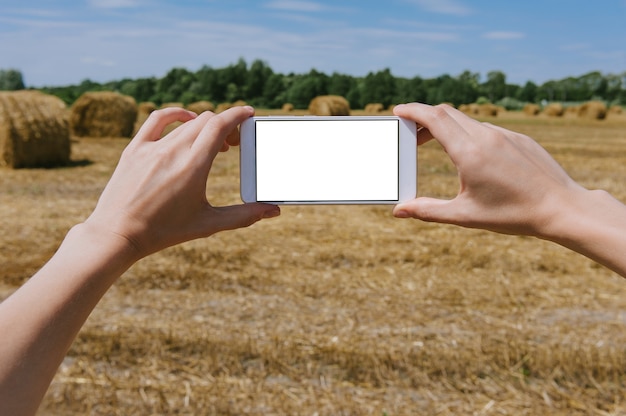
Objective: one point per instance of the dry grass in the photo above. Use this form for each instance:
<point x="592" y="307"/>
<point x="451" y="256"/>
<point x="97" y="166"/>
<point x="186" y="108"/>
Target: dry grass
<point x="338" y="309"/>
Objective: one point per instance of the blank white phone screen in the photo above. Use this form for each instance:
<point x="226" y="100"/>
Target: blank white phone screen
<point x="327" y="160"/>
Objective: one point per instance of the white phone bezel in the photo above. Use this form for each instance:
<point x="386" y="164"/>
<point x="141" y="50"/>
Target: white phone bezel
<point x="407" y="160"/>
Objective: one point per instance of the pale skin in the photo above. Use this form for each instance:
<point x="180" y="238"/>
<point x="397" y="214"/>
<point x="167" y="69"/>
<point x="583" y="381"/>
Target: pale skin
<point x="156" y="198"/>
<point x="510" y="184"/>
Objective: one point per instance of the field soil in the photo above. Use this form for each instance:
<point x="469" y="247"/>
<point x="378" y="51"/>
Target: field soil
<point x="337" y="310"/>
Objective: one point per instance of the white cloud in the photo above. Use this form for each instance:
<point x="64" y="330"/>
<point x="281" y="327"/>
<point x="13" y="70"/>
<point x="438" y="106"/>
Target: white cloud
<point x="114" y="4"/>
<point x="295" y="5"/>
<point x="443" y="6"/>
<point x="503" y="35"/>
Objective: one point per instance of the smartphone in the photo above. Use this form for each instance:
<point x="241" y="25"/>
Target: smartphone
<point x="328" y="160"/>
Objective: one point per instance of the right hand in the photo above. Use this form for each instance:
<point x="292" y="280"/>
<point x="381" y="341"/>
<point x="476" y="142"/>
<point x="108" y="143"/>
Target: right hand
<point x="157" y="198"/>
<point x="508" y="182"/>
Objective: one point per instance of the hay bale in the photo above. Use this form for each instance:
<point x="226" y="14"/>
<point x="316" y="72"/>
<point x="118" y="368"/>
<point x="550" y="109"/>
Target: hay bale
<point x="143" y="112"/>
<point x="201" y="106"/>
<point x="329" y="105"/>
<point x="34" y="130"/>
<point x="174" y="104"/>
<point x="287" y="108"/>
<point x="146" y="108"/>
<point x="374" y="108"/>
<point x="572" y="110"/>
<point x="474" y="109"/>
<point x="615" y="109"/>
<point x="531" y="109"/>
<point x="465" y="108"/>
<point x="487" y="110"/>
<point x="225" y="106"/>
<point x="103" y="114"/>
<point x="593" y="110"/>
<point x="554" y="110"/>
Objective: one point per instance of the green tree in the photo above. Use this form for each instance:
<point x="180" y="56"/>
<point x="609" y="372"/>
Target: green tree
<point x="410" y="90"/>
<point x="340" y="84"/>
<point x="495" y="86"/>
<point x="171" y="87"/>
<point x="379" y="87"/>
<point x="11" y="80"/>
<point x="528" y="93"/>
<point x="141" y="89"/>
<point x="446" y="88"/>
<point x="257" y="77"/>
<point x="306" y="87"/>
<point x="355" y="95"/>
<point x="274" y="91"/>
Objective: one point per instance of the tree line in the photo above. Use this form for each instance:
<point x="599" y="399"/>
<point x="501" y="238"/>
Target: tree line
<point x="258" y="85"/>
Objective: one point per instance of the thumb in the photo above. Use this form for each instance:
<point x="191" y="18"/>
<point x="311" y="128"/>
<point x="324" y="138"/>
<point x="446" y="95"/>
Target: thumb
<point x="429" y="209"/>
<point x="239" y="216"/>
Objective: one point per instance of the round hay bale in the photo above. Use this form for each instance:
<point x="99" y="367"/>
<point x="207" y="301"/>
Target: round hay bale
<point x="103" y="114"/>
<point x="201" y="106"/>
<point x="143" y="112"/>
<point x="329" y="105"/>
<point x="531" y="109"/>
<point x="225" y="106"/>
<point x="287" y="108"/>
<point x="34" y="130"/>
<point x="374" y="108"/>
<point x="572" y="110"/>
<point x="487" y="110"/>
<point x="593" y="110"/>
<point x="175" y="104"/>
<point x="615" y="109"/>
<point x="146" y="108"/>
<point x="554" y="110"/>
<point x="465" y="108"/>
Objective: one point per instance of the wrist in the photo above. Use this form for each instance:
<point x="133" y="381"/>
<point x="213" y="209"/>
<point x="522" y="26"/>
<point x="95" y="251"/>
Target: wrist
<point x="592" y="223"/>
<point x="106" y="244"/>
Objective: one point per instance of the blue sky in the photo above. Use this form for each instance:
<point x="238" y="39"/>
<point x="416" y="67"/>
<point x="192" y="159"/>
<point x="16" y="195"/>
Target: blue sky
<point x="64" y="42"/>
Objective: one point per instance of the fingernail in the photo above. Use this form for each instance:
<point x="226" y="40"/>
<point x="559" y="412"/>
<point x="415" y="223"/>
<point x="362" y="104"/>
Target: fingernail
<point x="271" y="213"/>
<point x="401" y="214"/>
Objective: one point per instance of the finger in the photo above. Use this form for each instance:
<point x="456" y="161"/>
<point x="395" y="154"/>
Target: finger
<point x="156" y="122"/>
<point x="423" y="136"/>
<point x="231" y="140"/>
<point x="429" y="209"/>
<point x="213" y="135"/>
<point x="440" y="121"/>
<point x="239" y="216"/>
<point x="233" y="137"/>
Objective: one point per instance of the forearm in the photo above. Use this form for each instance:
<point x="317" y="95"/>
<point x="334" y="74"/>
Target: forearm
<point x="40" y="320"/>
<point x="592" y="223"/>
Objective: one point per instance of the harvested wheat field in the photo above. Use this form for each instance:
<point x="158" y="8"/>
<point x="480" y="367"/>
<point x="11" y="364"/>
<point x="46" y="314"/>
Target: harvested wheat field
<point x="338" y="310"/>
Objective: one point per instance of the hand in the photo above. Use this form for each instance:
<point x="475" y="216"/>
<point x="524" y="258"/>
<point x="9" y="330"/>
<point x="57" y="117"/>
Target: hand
<point x="508" y="182"/>
<point x="157" y="195"/>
